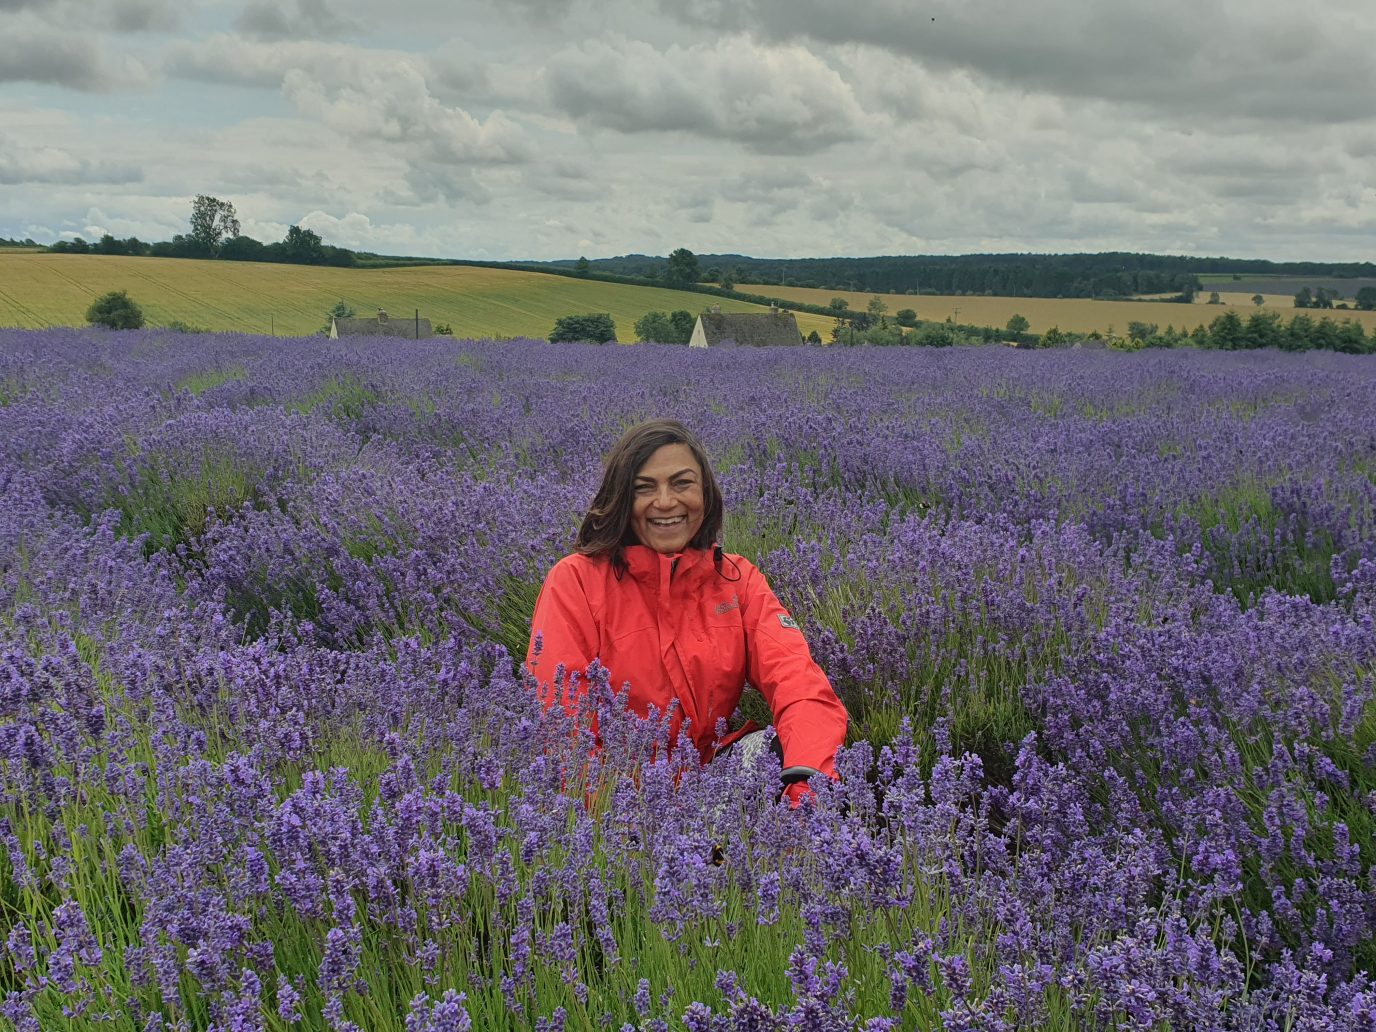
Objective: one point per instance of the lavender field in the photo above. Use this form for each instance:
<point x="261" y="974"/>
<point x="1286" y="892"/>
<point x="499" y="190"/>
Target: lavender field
<point x="1103" y="623"/>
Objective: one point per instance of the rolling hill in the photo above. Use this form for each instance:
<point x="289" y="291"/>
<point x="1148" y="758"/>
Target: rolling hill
<point x="38" y="290"/>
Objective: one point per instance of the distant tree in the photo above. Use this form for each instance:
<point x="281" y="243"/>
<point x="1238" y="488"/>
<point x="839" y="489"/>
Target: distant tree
<point x="582" y="266"/>
<point x="243" y="249"/>
<point x="728" y="280"/>
<point x="117" y="310"/>
<point x="876" y="309"/>
<point x="1324" y="298"/>
<point x="838" y="305"/>
<point x="212" y="220"/>
<point x="592" y="328"/>
<point x="814" y="337"/>
<point x="1143" y="331"/>
<point x="1366" y="299"/>
<point x="109" y="245"/>
<point x="1054" y="337"/>
<point x="303" y="247"/>
<point x="1214" y="299"/>
<point x="1264" y="330"/>
<point x="1227" y="333"/>
<point x="905" y="317"/>
<point x="1303" y="298"/>
<point x="682" y="269"/>
<point x="341" y="310"/>
<point x="659" y="328"/>
<point x="444" y="329"/>
<point x="1018" y="324"/>
<point x="935" y="335"/>
<point x="1258" y="300"/>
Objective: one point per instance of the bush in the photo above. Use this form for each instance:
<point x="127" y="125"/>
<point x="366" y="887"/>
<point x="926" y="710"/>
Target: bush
<point x="592" y="328"/>
<point x="674" y="328"/>
<point x="906" y="317"/>
<point x="116" y="310"/>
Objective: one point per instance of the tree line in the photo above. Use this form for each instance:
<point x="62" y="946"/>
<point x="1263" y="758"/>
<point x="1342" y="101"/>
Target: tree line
<point x="214" y="233"/>
<point x="1105" y="275"/>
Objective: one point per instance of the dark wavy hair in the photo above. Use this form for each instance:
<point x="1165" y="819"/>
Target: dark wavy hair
<point x="606" y="529"/>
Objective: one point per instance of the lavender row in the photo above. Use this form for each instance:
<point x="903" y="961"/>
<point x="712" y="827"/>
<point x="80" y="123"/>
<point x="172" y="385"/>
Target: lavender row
<point x="1103" y="623"/>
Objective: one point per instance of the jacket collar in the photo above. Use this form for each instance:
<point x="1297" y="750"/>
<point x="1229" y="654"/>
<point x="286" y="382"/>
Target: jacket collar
<point x="648" y="566"/>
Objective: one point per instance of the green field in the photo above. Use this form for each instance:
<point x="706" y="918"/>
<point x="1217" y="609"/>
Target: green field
<point x="38" y="290"/>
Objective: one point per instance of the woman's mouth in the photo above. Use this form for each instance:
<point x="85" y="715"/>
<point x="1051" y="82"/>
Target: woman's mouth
<point x="667" y="522"/>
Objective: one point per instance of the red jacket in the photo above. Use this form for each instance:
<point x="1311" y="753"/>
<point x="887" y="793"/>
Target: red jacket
<point x="675" y="628"/>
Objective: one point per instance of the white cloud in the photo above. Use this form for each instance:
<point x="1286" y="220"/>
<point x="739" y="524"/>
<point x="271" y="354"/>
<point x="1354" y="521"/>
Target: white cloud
<point x="20" y="163"/>
<point x="768" y="98"/>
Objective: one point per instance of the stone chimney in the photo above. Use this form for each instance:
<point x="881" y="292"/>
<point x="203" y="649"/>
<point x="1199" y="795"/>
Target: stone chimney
<point x="716" y="309"/>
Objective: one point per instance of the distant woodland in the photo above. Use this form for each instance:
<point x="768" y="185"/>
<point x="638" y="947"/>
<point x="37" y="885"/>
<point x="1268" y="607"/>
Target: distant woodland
<point x="1106" y="275"/>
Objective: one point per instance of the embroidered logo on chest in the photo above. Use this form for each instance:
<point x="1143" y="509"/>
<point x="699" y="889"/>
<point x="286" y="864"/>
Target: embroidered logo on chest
<point x="726" y="607"/>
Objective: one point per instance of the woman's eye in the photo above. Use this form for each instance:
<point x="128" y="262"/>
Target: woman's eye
<point x="644" y="488"/>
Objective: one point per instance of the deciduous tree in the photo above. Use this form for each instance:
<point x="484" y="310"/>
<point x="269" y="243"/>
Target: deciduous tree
<point x="117" y="310"/>
<point x="682" y="269"/>
<point x="592" y="328"/>
<point x="212" y="221"/>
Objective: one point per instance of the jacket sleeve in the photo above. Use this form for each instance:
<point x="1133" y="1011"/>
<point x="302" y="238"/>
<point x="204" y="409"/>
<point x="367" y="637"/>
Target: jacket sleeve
<point x="808" y="717"/>
<point x="563" y="632"/>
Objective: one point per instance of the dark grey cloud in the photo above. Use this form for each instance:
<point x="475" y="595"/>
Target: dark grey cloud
<point x="116" y="15"/>
<point x="54" y="57"/>
<point x="1265" y="61"/>
<point x="295" y="19"/>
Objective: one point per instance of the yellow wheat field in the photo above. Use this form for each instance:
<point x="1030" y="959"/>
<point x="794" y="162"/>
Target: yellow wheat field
<point x="1077" y="314"/>
<point x="38" y="290"/>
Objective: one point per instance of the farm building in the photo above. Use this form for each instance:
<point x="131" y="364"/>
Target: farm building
<point x="749" y="329"/>
<point x="380" y="327"/>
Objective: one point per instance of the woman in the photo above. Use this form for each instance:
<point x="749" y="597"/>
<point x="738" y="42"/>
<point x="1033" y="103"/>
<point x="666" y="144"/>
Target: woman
<point x="650" y="594"/>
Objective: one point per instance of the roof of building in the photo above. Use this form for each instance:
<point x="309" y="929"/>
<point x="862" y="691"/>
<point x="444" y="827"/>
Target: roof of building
<point x="751" y="329"/>
<point x="383" y="327"/>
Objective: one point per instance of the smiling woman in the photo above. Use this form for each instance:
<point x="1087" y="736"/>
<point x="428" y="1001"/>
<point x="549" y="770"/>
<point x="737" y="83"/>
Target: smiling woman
<point x="652" y="597"/>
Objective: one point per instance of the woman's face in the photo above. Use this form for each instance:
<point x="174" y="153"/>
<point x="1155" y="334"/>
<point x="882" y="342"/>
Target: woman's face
<point x="668" y="509"/>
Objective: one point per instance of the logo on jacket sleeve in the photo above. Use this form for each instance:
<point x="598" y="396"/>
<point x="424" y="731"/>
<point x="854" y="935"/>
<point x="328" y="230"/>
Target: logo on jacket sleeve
<point x="788" y="621"/>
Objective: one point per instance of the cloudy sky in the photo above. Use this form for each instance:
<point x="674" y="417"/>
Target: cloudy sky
<point x="554" y="128"/>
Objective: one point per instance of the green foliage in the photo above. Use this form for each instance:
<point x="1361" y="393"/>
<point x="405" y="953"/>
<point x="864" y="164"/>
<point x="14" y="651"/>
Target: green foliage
<point x="1214" y="298"/>
<point x="1366" y="299"/>
<point x="582" y="268"/>
<point x="935" y="335"/>
<point x="682" y="268"/>
<point x="906" y="317"/>
<point x="1054" y="337"/>
<point x="303" y="247"/>
<point x="591" y="328"/>
<point x="444" y="329"/>
<point x="1142" y="331"/>
<point x="212" y="220"/>
<point x="814" y="337"/>
<point x="877" y="309"/>
<point x="341" y="310"/>
<point x="674" y="328"/>
<point x="1258" y="300"/>
<point x="1018" y="324"/>
<point x="116" y="310"/>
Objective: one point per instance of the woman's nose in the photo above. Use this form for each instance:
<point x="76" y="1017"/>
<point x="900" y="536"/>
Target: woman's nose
<point x="663" y="499"/>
